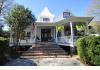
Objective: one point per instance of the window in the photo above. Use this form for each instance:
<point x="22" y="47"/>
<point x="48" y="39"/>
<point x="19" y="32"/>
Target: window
<point x="66" y="14"/>
<point x="46" y="19"/>
<point x="67" y="31"/>
<point x="59" y="34"/>
<point x="28" y="34"/>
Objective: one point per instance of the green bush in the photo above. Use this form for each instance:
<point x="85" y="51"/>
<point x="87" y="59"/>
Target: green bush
<point x="3" y="50"/>
<point x="89" y="49"/>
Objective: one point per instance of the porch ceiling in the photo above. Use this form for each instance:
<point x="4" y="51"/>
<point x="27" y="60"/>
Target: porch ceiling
<point x="44" y="24"/>
<point x="75" y="19"/>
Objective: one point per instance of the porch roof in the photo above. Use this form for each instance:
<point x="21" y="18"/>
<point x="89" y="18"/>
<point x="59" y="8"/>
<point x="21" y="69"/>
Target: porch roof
<point x="75" y="19"/>
<point x="64" y="21"/>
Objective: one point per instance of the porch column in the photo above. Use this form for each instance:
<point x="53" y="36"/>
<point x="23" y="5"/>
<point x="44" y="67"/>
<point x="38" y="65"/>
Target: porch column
<point x="56" y="33"/>
<point x="11" y="40"/>
<point x="87" y="29"/>
<point x="35" y="33"/>
<point x="72" y="40"/>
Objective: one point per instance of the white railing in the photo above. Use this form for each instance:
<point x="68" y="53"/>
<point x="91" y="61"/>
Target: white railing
<point x="23" y="42"/>
<point x="66" y="39"/>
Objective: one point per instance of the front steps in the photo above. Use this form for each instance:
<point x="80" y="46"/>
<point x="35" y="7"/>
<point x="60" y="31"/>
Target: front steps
<point x="44" y="51"/>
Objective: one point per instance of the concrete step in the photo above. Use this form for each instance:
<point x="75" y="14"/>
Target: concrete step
<point x="44" y="51"/>
<point x="43" y="54"/>
<point x="37" y="51"/>
<point x="53" y="56"/>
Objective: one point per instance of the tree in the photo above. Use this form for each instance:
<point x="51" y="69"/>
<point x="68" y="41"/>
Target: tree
<point x="5" y="6"/>
<point x="94" y="10"/>
<point x="95" y="26"/>
<point x="1" y="26"/>
<point x="18" y="19"/>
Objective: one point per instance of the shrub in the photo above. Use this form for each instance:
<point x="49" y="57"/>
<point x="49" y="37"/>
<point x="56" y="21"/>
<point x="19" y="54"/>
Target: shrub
<point x="3" y="50"/>
<point x="89" y="49"/>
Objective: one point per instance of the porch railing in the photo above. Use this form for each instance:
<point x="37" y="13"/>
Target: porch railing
<point x="66" y="39"/>
<point x="27" y="41"/>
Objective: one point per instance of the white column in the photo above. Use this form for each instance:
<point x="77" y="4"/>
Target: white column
<point x="11" y="40"/>
<point x="35" y="33"/>
<point x="56" y="33"/>
<point x="72" y="35"/>
<point x="87" y="29"/>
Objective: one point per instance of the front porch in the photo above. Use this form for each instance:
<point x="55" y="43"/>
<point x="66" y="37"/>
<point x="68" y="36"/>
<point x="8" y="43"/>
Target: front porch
<point x="47" y="32"/>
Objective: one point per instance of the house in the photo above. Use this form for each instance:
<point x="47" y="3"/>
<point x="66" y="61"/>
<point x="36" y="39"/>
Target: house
<point x="60" y="30"/>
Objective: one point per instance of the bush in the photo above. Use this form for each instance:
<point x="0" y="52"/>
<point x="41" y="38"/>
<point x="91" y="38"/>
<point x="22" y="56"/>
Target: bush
<point x="3" y="50"/>
<point x="89" y="49"/>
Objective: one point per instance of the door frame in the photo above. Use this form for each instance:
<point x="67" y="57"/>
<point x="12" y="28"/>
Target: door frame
<point x="47" y="33"/>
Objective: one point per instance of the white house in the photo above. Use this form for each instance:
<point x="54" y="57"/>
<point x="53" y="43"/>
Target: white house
<point x="60" y="30"/>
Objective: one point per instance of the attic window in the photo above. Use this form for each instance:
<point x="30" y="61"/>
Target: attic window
<point x="46" y="19"/>
<point x="66" y="14"/>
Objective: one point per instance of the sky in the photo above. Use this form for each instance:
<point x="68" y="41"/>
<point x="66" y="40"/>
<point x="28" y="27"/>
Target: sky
<point x="56" y="7"/>
<point x="77" y="7"/>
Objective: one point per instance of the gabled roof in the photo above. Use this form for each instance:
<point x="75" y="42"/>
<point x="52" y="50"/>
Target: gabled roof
<point x="46" y="13"/>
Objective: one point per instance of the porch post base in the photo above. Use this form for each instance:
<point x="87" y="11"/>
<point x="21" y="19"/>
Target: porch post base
<point x="72" y="49"/>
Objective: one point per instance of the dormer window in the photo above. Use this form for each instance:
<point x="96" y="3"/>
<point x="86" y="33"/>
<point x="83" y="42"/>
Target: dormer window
<point x="46" y="19"/>
<point x="66" y="14"/>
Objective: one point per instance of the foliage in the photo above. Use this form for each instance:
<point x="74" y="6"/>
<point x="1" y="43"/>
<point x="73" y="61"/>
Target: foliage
<point x="1" y="29"/>
<point x="59" y="28"/>
<point x="94" y="10"/>
<point x="80" y="26"/>
<point x="89" y="49"/>
<point x="97" y="28"/>
<point x="3" y="49"/>
<point x="19" y="18"/>
<point x="5" y="6"/>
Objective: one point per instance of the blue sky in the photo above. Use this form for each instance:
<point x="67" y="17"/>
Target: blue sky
<point x="77" y="7"/>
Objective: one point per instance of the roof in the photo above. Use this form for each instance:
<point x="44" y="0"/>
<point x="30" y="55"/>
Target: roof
<point x="64" y="21"/>
<point x="46" y="13"/>
<point x="75" y="19"/>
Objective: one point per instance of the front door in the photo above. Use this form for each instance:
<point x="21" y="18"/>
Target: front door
<point x="45" y="34"/>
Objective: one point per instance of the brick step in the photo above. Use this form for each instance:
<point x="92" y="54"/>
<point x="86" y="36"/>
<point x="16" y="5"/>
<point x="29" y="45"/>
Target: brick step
<point x="53" y="56"/>
<point x="43" y="54"/>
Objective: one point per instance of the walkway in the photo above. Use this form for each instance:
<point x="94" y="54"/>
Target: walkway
<point x="46" y="62"/>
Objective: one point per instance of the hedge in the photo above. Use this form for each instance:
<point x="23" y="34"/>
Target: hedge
<point x="89" y="49"/>
<point x="3" y="50"/>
